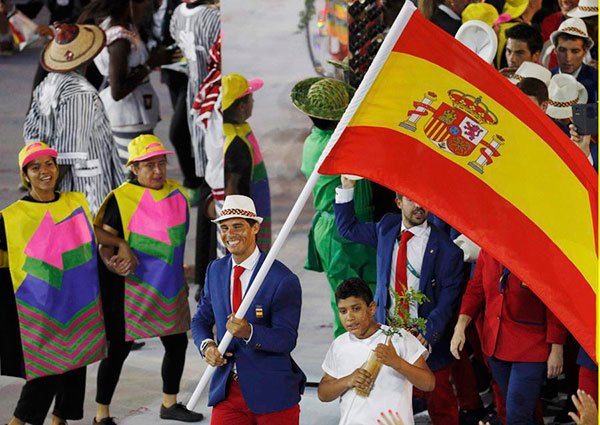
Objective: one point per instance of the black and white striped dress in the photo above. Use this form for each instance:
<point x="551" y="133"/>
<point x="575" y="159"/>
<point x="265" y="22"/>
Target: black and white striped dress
<point x="195" y="30"/>
<point x="68" y="115"/>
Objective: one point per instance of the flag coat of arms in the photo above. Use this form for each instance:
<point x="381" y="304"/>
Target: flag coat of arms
<point x="433" y="121"/>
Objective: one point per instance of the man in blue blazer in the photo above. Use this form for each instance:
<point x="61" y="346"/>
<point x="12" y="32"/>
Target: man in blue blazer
<point x="257" y="381"/>
<point x="436" y="271"/>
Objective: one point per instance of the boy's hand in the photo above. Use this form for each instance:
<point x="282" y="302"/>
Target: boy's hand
<point x="386" y="354"/>
<point x="360" y="379"/>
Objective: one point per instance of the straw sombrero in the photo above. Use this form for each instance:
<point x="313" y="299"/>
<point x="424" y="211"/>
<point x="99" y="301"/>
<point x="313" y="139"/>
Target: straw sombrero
<point x="323" y="98"/>
<point x="72" y="46"/>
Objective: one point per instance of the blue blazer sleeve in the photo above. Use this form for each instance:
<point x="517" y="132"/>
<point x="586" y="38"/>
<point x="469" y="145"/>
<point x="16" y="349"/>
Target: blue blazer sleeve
<point x="449" y="274"/>
<point x="350" y="228"/>
<point x="204" y="319"/>
<point x="281" y="335"/>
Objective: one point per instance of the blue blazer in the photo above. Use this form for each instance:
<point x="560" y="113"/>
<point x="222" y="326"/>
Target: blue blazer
<point x="588" y="76"/>
<point x="441" y="275"/>
<point x="269" y="378"/>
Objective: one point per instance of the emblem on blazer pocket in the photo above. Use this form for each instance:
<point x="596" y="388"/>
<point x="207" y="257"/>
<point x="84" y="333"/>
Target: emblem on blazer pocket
<point x="259" y="311"/>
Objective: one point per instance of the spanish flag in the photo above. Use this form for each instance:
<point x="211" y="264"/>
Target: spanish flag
<point x="433" y="121"/>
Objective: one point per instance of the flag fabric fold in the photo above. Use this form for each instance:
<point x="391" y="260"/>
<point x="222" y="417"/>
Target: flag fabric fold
<point x="433" y="121"/>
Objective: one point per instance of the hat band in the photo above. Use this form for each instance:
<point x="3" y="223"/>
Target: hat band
<point x="575" y="30"/>
<point x="563" y="104"/>
<point x="517" y="77"/>
<point x="588" y="8"/>
<point x="237" y="211"/>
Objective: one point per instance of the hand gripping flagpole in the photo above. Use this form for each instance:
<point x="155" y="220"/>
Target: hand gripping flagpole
<point x="362" y="90"/>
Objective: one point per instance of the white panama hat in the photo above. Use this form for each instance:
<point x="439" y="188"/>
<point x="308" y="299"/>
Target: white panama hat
<point x="564" y="91"/>
<point x="573" y="26"/>
<point x="480" y="38"/>
<point x="238" y="206"/>
<point x="584" y="9"/>
<point x="531" y="70"/>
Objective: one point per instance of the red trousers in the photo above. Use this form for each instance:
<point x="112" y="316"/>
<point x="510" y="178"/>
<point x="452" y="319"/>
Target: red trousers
<point x="588" y="382"/>
<point x="233" y="410"/>
<point x="465" y="382"/>
<point x="441" y="402"/>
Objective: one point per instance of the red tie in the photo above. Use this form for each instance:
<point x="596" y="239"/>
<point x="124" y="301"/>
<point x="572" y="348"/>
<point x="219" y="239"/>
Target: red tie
<point x="401" y="282"/>
<point x="236" y="300"/>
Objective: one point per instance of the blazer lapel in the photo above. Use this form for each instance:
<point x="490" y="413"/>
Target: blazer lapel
<point x="227" y="286"/>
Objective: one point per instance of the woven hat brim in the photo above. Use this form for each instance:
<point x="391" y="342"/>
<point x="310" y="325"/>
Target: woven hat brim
<point x="300" y="91"/>
<point x="94" y="43"/>
<point x="588" y="43"/>
<point x="227" y="217"/>
<point x="567" y="112"/>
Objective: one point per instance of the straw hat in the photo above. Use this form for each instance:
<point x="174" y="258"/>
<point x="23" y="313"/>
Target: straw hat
<point x="238" y="206"/>
<point x="564" y="92"/>
<point x="531" y="70"/>
<point x="584" y="9"/>
<point x="144" y="147"/>
<point x="323" y="98"/>
<point x="72" y="46"/>
<point x="32" y="151"/>
<point x="480" y="38"/>
<point x="573" y="26"/>
<point x="236" y="86"/>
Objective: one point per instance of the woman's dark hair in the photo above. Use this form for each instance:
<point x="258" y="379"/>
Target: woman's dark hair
<point x="322" y="124"/>
<point x="354" y="287"/>
<point x="230" y="114"/>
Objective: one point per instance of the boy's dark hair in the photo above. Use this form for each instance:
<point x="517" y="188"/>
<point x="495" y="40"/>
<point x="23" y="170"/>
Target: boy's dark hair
<point x="230" y="114"/>
<point x="322" y="124"/>
<point x="529" y="35"/>
<point x="354" y="287"/>
<point x="534" y="88"/>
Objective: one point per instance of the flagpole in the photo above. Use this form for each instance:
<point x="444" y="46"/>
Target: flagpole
<point x="260" y="276"/>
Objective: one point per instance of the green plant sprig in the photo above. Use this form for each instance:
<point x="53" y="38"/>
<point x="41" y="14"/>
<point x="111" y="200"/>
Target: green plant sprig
<point x="401" y="319"/>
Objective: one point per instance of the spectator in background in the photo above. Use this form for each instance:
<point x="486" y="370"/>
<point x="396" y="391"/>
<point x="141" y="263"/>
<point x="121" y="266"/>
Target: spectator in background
<point x="553" y="21"/>
<point x="523" y="44"/>
<point x="444" y="13"/>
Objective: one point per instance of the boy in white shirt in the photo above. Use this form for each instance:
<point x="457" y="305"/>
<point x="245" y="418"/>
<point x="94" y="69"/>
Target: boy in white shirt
<point x="403" y="361"/>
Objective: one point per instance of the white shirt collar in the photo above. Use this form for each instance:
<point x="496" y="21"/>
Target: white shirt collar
<point x="250" y="262"/>
<point x="575" y="74"/>
<point x="449" y="12"/>
<point x="416" y="230"/>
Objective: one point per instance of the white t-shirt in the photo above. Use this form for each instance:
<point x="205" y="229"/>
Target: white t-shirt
<point x="391" y="389"/>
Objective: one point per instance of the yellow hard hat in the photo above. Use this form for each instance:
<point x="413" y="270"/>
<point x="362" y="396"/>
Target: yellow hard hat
<point x="236" y="86"/>
<point x="145" y="146"/>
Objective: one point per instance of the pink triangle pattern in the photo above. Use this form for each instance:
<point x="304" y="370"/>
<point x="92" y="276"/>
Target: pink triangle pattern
<point x="153" y="218"/>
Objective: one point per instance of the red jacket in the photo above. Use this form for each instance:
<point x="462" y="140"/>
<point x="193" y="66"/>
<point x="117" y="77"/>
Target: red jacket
<point x="517" y="326"/>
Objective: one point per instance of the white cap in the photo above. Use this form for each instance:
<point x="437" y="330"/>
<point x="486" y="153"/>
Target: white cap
<point x="584" y="9"/>
<point x="480" y="38"/>
<point x="531" y="70"/>
<point x="238" y="206"/>
<point x="564" y="92"/>
<point x="572" y="26"/>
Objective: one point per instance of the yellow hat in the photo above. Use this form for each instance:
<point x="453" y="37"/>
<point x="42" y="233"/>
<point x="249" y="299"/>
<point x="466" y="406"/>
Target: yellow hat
<point x="32" y="151"/>
<point x="144" y="147"/>
<point x="236" y="86"/>
<point x="515" y="8"/>
<point x="484" y="12"/>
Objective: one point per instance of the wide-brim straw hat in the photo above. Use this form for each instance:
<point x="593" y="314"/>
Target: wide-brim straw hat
<point x="324" y="98"/>
<point x="531" y="70"/>
<point x="573" y="26"/>
<point x="564" y="92"/>
<point x="480" y="38"/>
<point x="584" y="9"/>
<point x="72" y="46"/>
<point x="238" y="206"/>
<point x="145" y="147"/>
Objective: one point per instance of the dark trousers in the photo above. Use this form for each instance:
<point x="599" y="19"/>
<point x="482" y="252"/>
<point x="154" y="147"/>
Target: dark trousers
<point x="171" y="371"/>
<point x="179" y="132"/>
<point x="206" y="238"/>
<point x="520" y="383"/>
<point x="37" y="395"/>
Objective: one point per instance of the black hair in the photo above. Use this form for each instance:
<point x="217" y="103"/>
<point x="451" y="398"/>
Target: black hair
<point x="230" y="114"/>
<point x="97" y="10"/>
<point x="354" y="287"/>
<point x="534" y="88"/>
<point x="322" y="124"/>
<point x="528" y="34"/>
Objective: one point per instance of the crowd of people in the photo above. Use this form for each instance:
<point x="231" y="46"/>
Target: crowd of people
<point x="97" y="189"/>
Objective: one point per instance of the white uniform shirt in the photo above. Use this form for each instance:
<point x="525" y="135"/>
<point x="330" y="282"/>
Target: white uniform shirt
<point x="391" y="389"/>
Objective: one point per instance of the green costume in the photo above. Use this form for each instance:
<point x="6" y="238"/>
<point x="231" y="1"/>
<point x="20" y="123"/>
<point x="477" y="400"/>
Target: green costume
<point x="328" y="252"/>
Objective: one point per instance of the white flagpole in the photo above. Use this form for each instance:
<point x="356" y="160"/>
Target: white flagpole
<point x="365" y="85"/>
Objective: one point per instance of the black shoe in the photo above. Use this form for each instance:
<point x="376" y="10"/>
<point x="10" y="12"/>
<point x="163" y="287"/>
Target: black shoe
<point x="178" y="412"/>
<point x="105" y="421"/>
<point x="137" y="345"/>
<point x="470" y="417"/>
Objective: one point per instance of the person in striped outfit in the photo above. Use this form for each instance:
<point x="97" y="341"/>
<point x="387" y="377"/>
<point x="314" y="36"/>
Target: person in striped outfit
<point x="66" y="112"/>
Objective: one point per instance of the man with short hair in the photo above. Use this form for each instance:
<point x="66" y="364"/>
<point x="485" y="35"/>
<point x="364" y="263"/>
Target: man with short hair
<point x="257" y="381"/>
<point x="571" y="43"/>
<point x="413" y="254"/>
<point x="523" y="44"/>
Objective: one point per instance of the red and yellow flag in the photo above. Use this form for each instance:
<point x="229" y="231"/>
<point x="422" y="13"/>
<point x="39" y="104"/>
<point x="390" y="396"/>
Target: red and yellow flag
<point x="433" y="121"/>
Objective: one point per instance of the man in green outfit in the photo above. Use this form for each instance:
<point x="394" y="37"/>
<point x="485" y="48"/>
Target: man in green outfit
<point x="324" y="101"/>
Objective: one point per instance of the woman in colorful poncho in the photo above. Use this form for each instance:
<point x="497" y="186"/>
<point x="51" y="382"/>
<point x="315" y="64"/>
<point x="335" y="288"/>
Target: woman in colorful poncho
<point x="51" y="323"/>
<point x="151" y="212"/>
